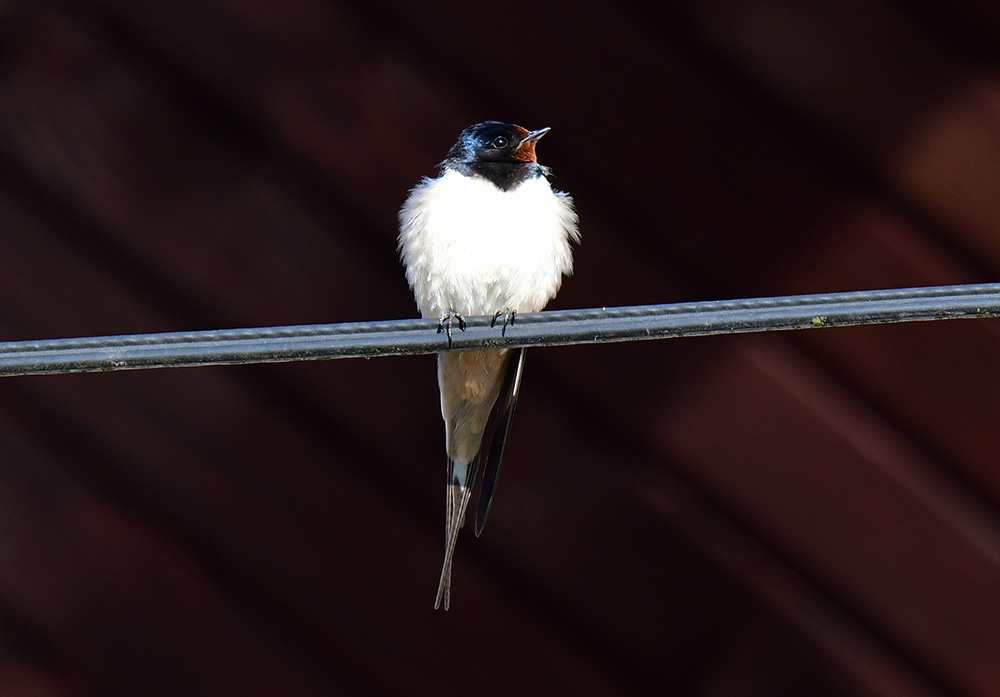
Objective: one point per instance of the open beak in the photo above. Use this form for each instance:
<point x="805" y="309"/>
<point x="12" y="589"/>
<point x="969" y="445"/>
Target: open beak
<point x="526" y="150"/>
<point x="535" y="135"/>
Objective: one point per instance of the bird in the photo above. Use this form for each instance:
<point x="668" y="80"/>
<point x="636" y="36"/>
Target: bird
<point x="488" y="236"/>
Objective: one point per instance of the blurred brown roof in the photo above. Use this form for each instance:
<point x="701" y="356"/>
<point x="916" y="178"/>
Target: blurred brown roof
<point x="811" y="513"/>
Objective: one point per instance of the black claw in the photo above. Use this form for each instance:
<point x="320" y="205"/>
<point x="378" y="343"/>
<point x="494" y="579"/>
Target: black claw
<point x="508" y="318"/>
<point x="445" y="324"/>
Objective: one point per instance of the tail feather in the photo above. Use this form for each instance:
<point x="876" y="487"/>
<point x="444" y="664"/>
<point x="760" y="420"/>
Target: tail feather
<point x="479" y="391"/>
<point x="459" y="489"/>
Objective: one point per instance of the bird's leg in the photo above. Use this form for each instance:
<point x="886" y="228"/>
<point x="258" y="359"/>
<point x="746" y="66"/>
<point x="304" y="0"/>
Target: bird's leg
<point x="445" y="324"/>
<point x="508" y="314"/>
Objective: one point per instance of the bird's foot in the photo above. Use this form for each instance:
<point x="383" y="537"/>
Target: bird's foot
<point x="445" y="324"/>
<point x="508" y="315"/>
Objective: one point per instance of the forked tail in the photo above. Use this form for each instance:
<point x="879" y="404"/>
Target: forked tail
<point x="457" y="493"/>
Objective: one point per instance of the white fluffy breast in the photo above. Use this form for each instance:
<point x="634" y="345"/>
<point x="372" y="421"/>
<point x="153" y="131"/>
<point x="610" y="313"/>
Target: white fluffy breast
<point x="471" y="248"/>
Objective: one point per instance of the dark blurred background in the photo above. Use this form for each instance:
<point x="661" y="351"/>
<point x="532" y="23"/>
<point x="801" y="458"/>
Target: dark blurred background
<point x="812" y="513"/>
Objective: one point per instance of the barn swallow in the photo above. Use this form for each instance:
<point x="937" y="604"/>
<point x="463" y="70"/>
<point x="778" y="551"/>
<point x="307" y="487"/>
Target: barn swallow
<point x="488" y="236"/>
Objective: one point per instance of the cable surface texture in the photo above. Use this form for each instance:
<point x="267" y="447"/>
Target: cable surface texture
<point x="550" y="328"/>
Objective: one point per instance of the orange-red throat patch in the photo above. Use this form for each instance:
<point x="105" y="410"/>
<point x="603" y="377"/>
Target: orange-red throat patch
<point x="525" y="151"/>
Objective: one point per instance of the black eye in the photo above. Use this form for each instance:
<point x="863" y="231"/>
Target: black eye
<point x="500" y="142"/>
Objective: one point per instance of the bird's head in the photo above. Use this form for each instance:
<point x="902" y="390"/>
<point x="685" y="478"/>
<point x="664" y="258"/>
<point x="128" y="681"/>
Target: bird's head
<point x="502" y="152"/>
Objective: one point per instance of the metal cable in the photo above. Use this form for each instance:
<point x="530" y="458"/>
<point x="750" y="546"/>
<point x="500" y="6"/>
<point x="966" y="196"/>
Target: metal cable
<point x="412" y="337"/>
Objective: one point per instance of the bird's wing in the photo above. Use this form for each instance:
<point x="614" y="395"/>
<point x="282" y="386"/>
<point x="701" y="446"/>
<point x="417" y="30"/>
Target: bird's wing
<point x="503" y="415"/>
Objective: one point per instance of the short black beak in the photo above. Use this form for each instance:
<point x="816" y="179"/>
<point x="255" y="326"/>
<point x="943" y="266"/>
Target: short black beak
<point x="535" y="135"/>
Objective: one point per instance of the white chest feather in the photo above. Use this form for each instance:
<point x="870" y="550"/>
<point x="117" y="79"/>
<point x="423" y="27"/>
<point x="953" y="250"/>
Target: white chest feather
<point x="474" y="249"/>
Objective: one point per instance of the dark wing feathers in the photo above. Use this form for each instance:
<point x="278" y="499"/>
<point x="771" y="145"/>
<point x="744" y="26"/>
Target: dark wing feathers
<point x="503" y="415"/>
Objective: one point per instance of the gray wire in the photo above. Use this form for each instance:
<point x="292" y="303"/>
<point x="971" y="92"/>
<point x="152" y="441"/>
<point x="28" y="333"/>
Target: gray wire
<point x="412" y="337"/>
